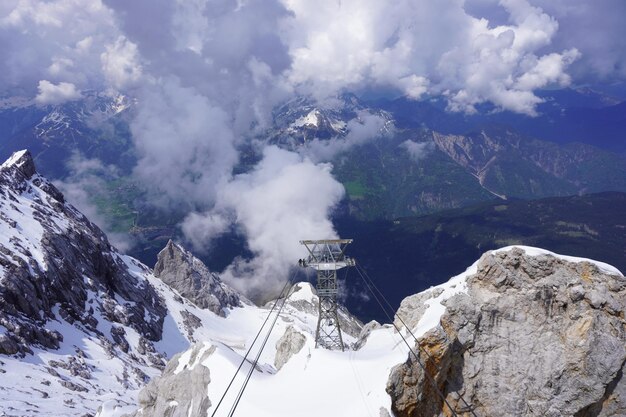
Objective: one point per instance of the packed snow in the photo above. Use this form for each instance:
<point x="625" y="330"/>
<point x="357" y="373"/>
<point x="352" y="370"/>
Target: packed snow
<point x="13" y="159"/>
<point x="532" y="251"/>
<point x="353" y="382"/>
<point x="311" y="119"/>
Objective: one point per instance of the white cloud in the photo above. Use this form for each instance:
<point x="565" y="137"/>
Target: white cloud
<point x="50" y="93"/>
<point x="362" y="129"/>
<point x="184" y="143"/>
<point x="283" y="200"/>
<point x="202" y="228"/>
<point x="417" y="150"/>
<point x="42" y="40"/>
<point x="355" y="43"/>
<point x="120" y="63"/>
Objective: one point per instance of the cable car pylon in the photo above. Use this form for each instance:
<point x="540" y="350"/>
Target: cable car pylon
<point x="326" y="257"/>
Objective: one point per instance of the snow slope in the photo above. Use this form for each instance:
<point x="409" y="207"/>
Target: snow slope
<point x="38" y="385"/>
<point x="314" y="381"/>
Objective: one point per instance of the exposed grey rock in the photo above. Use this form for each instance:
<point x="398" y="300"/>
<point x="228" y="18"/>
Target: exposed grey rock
<point x="288" y="345"/>
<point x="179" y="394"/>
<point x="75" y="365"/>
<point x="187" y="274"/>
<point x="365" y="332"/>
<point x="534" y="336"/>
<point x="73" y="386"/>
<point x="412" y="308"/>
<point x="191" y="322"/>
<point x="8" y="346"/>
<point x="118" y="333"/>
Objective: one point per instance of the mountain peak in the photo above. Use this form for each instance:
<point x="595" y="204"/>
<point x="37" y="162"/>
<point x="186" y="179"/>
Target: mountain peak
<point x="188" y="275"/>
<point x="21" y="160"/>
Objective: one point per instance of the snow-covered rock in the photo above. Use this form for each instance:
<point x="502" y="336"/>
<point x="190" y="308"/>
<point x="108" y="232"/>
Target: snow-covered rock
<point x="288" y="345"/>
<point x="533" y="334"/>
<point x="185" y="273"/>
<point x="301" y="120"/>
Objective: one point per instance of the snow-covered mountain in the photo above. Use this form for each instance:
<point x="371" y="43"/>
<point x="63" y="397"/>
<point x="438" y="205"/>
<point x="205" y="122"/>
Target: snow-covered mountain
<point x="522" y="332"/>
<point x="96" y="126"/>
<point x="301" y="120"/>
<point x="80" y="323"/>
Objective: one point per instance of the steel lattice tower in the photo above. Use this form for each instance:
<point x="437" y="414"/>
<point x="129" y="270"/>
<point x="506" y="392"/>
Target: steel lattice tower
<point x="326" y="257"/>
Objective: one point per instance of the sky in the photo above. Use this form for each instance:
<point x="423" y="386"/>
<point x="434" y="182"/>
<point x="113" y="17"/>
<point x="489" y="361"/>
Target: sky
<point x="206" y="75"/>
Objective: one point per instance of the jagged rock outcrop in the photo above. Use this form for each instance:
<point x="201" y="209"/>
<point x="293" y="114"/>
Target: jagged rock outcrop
<point x="288" y="345"/>
<point x="186" y="274"/>
<point x="532" y="336"/>
<point x="53" y="257"/>
<point x="181" y="390"/>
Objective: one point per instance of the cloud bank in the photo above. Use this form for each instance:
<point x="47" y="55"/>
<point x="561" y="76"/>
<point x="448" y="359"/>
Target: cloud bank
<point x="50" y="93"/>
<point x="284" y="199"/>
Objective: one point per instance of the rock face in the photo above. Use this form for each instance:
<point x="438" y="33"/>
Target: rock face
<point x="54" y="258"/>
<point x="287" y="346"/>
<point x="80" y="323"/>
<point x="183" y="380"/>
<point x="186" y="274"/>
<point x="508" y="164"/>
<point x="533" y="336"/>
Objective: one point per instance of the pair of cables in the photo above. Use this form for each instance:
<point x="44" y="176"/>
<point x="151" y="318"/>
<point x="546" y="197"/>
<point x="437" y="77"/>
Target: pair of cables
<point x="282" y="299"/>
<point x="387" y="308"/>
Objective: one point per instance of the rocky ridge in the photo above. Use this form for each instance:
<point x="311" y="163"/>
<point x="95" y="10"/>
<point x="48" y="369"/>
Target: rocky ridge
<point x="185" y="273"/>
<point x="54" y="262"/>
<point x="77" y="318"/>
<point x="533" y="335"/>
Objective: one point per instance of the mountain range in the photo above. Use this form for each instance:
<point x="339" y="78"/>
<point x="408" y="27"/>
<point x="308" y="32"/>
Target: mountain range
<point x="418" y="159"/>
<point x="88" y="329"/>
<point x="410" y="166"/>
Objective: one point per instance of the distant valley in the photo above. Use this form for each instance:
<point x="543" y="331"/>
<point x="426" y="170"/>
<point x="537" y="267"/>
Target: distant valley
<point x="487" y="178"/>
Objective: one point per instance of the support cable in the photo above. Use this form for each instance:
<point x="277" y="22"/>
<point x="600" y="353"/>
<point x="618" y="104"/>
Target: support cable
<point x="256" y="359"/>
<point x="429" y="377"/>
<point x="243" y="360"/>
<point x="360" y="269"/>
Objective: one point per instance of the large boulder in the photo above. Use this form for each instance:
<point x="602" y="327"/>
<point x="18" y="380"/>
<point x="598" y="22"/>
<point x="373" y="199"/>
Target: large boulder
<point x="288" y="345"/>
<point x="533" y="336"/>
<point x="181" y="389"/>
